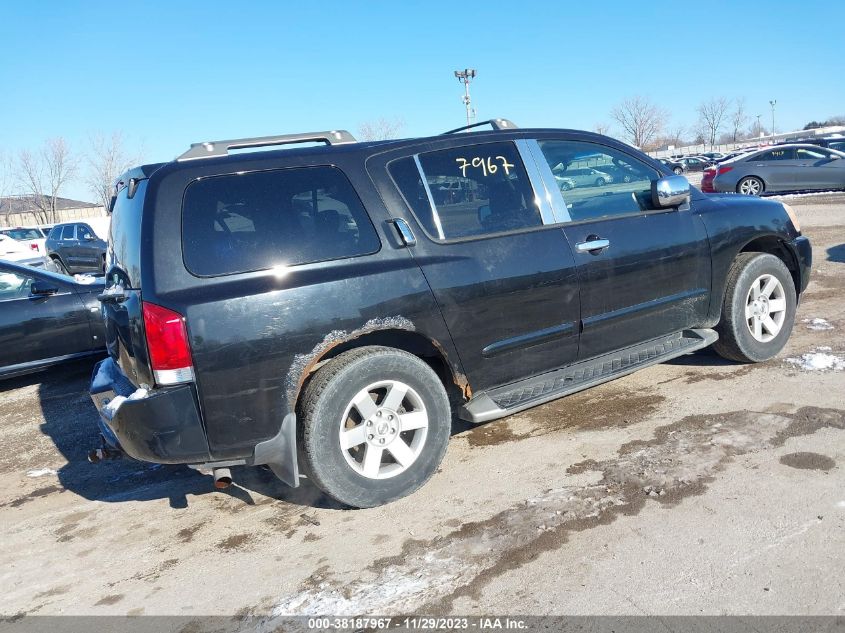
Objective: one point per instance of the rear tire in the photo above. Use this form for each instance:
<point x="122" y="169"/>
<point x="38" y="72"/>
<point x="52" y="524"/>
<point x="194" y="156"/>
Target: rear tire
<point x="678" y="171"/>
<point x="376" y="422"/>
<point x="750" y="186"/>
<point x="758" y="311"/>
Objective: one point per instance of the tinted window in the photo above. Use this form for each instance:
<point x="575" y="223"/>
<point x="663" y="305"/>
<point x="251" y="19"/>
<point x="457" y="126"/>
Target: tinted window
<point x="615" y="184"/>
<point x="67" y="232"/>
<point x="55" y="233"/>
<point x="838" y="145"/>
<point x="83" y="232"/>
<point x="13" y="285"/>
<point x="475" y="190"/>
<point x="777" y="154"/>
<point x="23" y="234"/>
<point x="259" y="220"/>
<point x="810" y="154"/>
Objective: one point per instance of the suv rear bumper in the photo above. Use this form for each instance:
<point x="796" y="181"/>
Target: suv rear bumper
<point x="162" y="426"/>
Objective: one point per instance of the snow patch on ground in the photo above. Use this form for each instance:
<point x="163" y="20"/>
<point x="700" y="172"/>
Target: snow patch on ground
<point x="819" y="360"/>
<point x="817" y="324"/>
<point x="40" y="472"/>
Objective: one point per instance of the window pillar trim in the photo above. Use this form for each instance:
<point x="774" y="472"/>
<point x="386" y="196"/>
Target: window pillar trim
<point x="434" y="213"/>
<point x="539" y="169"/>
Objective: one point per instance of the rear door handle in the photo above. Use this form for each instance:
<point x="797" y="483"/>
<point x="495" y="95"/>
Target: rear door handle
<point x="405" y="231"/>
<point x="593" y="246"/>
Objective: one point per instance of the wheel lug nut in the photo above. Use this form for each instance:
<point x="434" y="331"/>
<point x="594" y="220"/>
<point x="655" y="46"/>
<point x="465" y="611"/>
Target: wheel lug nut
<point x="381" y="441"/>
<point x="392" y="430"/>
<point x="369" y="422"/>
<point x="378" y="413"/>
<point x="370" y="436"/>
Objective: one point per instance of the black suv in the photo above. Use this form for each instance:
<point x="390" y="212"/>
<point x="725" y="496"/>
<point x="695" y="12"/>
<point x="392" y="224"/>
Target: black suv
<point x="328" y="308"/>
<point x="74" y="247"/>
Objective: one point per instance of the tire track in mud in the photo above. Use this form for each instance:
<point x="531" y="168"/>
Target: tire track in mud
<point x="679" y="461"/>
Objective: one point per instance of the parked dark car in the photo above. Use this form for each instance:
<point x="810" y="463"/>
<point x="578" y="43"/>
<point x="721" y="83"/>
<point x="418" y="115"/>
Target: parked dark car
<point x="320" y="298"/>
<point x="46" y="318"/>
<point x="695" y="163"/>
<point x="75" y="248"/>
<point x="673" y="165"/>
<point x="782" y="168"/>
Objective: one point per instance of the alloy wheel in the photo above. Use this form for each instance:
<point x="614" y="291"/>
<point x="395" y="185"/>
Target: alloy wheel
<point x="765" y="308"/>
<point x="383" y="429"/>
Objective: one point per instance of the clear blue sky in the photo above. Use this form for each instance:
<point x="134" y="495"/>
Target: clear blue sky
<point x="171" y="73"/>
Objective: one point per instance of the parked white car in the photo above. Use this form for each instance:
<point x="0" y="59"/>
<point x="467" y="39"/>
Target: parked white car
<point x="31" y="236"/>
<point x="14" y="251"/>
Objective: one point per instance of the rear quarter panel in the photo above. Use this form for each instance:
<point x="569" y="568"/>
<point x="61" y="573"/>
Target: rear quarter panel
<point x="253" y="334"/>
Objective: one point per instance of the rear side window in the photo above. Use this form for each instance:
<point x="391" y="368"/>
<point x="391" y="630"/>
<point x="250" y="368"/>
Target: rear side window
<point x="468" y="191"/>
<point x="259" y="220"/>
<point x="777" y="154"/>
<point x="67" y="232"/>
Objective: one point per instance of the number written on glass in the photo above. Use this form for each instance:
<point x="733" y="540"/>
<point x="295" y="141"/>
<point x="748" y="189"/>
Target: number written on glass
<point x="489" y="165"/>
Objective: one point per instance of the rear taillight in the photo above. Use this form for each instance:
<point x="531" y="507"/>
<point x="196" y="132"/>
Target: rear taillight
<point x="34" y="247"/>
<point x="723" y="170"/>
<point x="167" y="342"/>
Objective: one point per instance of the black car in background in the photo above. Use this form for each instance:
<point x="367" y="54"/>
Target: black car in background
<point x="46" y="318"/>
<point x="75" y="248"/>
<point x="675" y="166"/>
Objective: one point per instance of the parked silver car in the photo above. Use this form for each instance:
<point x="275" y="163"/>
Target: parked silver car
<point x="581" y="177"/>
<point x="782" y="168"/>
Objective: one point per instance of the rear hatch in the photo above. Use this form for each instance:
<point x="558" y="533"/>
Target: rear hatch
<point x="121" y="299"/>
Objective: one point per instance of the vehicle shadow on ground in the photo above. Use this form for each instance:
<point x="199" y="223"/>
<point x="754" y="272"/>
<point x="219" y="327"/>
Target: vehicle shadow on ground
<point x="706" y="357"/>
<point x="836" y="253"/>
<point x="70" y="420"/>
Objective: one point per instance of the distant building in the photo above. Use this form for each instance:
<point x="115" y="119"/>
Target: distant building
<point x="23" y="211"/>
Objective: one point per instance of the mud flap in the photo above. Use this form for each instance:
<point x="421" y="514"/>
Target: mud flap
<point x="279" y="453"/>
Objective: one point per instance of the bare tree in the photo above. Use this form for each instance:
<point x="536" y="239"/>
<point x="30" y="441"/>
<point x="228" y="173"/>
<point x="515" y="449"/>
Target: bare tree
<point x="6" y="182"/>
<point x="711" y="114"/>
<point x="602" y="128"/>
<point x="42" y="176"/>
<point x="641" y="120"/>
<point x="106" y="160"/>
<point x="381" y="129"/>
<point x="738" y="118"/>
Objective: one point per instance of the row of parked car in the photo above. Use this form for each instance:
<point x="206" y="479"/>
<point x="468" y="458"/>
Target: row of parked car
<point x="70" y="248"/>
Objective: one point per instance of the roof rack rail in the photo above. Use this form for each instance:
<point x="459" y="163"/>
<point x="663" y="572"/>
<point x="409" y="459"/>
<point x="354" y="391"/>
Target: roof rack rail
<point x="221" y="148"/>
<point x="496" y="124"/>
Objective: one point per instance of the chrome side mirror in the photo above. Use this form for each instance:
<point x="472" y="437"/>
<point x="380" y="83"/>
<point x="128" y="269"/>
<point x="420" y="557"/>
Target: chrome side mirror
<point x="669" y="191"/>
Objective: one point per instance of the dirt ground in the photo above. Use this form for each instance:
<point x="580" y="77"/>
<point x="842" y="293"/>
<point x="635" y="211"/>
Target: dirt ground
<point x="693" y="487"/>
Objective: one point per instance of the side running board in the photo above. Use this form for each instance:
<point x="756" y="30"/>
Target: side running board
<point x="508" y="399"/>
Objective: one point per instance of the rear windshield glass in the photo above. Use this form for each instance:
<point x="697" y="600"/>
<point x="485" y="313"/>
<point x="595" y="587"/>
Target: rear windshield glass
<point x="23" y="234"/>
<point x="259" y="220"/>
<point x="124" y="250"/>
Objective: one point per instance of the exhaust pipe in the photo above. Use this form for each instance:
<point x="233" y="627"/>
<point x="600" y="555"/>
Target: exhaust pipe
<point x="104" y="454"/>
<point x="222" y="478"/>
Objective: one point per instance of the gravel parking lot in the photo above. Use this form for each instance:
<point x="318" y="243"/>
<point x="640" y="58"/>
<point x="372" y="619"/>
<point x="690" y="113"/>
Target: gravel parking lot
<point x="692" y="487"/>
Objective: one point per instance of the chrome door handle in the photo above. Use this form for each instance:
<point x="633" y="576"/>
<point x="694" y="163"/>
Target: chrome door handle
<point x="592" y="246"/>
<point x="405" y="232"/>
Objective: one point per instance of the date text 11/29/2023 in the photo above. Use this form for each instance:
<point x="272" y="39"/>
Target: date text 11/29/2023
<point x="418" y="623"/>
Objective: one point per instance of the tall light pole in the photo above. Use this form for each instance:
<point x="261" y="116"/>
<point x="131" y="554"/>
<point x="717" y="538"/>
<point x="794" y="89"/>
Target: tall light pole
<point x="773" y="103"/>
<point x="759" y="127"/>
<point x="465" y="77"/>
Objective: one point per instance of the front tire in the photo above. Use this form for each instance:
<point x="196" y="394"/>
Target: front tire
<point x="376" y="422"/>
<point x="750" y="186"/>
<point x="758" y="311"/>
<point x="678" y="171"/>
